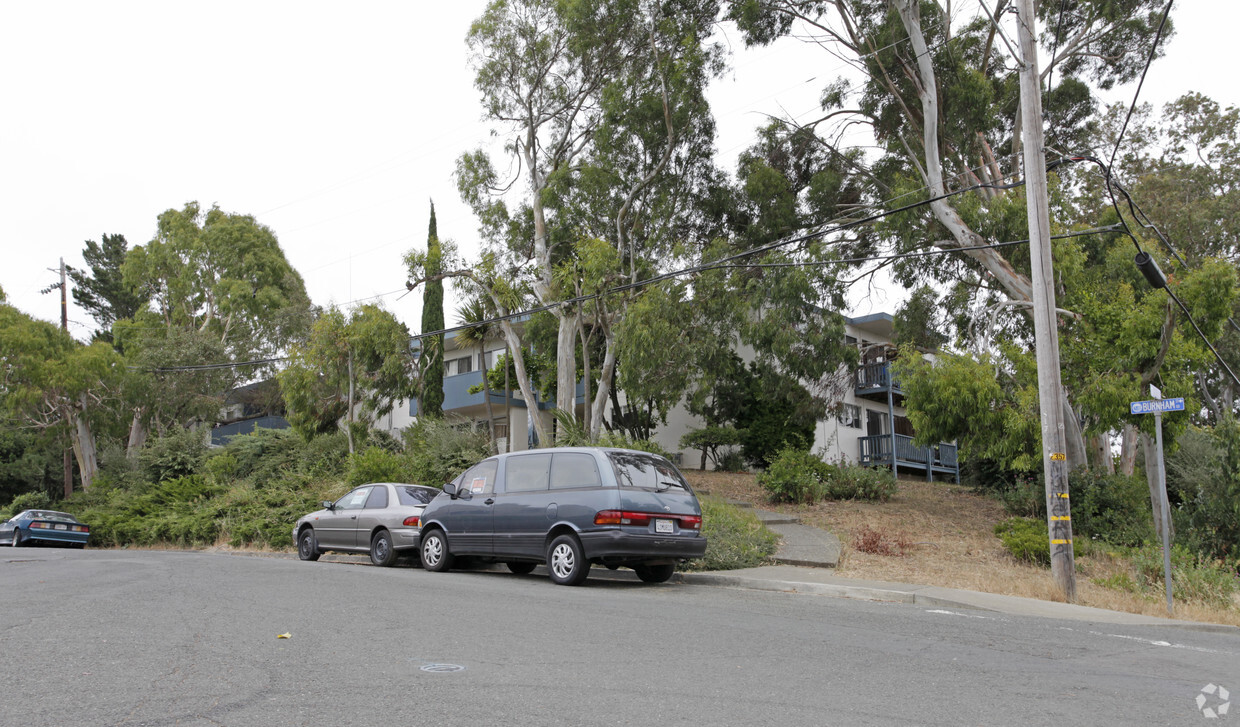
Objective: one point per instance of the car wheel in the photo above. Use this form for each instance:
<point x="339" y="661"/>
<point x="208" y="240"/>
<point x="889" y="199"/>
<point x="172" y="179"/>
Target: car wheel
<point x="16" y="542"/>
<point x="435" y="555"/>
<point x="307" y="545"/>
<point x="520" y="567"/>
<point x="654" y="573"/>
<point x="566" y="562"/>
<point x="381" y="551"/>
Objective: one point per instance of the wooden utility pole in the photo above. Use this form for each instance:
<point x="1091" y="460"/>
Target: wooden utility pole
<point x="1046" y="334"/>
<point x="64" y="324"/>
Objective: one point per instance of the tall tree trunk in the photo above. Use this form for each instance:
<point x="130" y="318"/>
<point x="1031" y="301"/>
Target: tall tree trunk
<point x="1149" y="448"/>
<point x="1128" y="451"/>
<point x="586" y="378"/>
<point x="523" y="380"/>
<point x="137" y="432"/>
<point x="566" y="367"/>
<point x="84" y="447"/>
<point x="486" y="396"/>
<point x="349" y="418"/>
<point x="1100" y="446"/>
<point x="606" y="378"/>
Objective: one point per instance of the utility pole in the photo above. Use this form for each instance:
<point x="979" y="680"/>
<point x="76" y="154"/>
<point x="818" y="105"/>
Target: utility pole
<point x="1046" y="334"/>
<point x="64" y="325"/>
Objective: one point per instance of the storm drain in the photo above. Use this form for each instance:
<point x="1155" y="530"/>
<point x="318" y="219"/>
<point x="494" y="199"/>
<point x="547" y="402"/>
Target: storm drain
<point x="443" y="668"/>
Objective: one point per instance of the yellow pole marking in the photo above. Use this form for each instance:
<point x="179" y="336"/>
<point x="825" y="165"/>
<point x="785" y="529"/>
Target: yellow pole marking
<point x="1064" y="495"/>
<point x="1061" y="542"/>
<point x="1061" y="517"/>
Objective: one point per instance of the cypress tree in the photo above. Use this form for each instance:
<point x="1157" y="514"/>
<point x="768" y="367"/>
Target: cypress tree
<point x="431" y="402"/>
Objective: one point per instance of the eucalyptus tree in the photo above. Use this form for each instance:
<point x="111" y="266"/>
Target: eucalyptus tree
<point x="214" y="275"/>
<point x="601" y="105"/>
<point x="939" y="95"/>
<point x="349" y="365"/>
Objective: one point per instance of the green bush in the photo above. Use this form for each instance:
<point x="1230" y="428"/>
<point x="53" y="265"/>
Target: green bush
<point x="795" y="475"/>
<point x="736" y="537"/>
<point x="1026" y="539"/>
<point x="1025" y="496"/>
<point x="1112" y="508"/>
<point x="852" y="482"/>
<point x="37" y="500"/>
<point x="177" y="453"/>
<point x="1195" y="578"/>
<point x="375" y="464"/>
<point x="1207" y="483"/>
<point x="731" y="461"/>
<point x="440" y="449"/>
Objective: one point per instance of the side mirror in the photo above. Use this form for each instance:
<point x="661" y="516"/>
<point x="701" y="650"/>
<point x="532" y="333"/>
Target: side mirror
<point x="329" y="505"/>
<point x="450" y="489"/>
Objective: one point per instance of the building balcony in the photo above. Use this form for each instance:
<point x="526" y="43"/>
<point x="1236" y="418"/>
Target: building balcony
<point x="875" y="380"/>
<point x="941" y="458"/>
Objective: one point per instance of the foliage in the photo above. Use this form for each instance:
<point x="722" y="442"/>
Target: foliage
<point x="1112" y="508"/>
<point x="795" y="475"/>
<point x="1208" y="516"/>
<point x="736" y="538"/>
<point x="178" y="453"/>
<point x="731" y="461"/>
<point x="1026" y="539"/>
<point x="29" y="461"/>
<point x="771" y="410"/>
<point x="366" y="355"/>
<point x="1024" y="496"/>
<point x="375" y="464"/>
<point x="269" y="456"/>
<point x="101" y="291"/>
<point x="26" y="501"/>
<point x="441" y="449"/>
<point x="1195" y="578"/>
<point x="852" y="482"/>
<point x="711" y="440"/>
<point x="430" y="394"/>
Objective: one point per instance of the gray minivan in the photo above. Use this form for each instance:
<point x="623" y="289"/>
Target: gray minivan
<point x="567" y="507"/>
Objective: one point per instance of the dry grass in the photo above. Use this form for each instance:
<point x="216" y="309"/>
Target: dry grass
<point x="951" y="532"/>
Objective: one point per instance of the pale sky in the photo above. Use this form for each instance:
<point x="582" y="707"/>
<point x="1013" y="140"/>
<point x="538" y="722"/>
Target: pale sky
<point x="333" y="124"/>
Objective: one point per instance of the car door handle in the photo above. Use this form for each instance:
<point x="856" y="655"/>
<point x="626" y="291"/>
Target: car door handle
<point x="353" y="517"/>
<point x="489" y="501"/>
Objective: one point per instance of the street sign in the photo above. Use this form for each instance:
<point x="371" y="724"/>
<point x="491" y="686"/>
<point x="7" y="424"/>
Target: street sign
<point x="1157" y="406"/>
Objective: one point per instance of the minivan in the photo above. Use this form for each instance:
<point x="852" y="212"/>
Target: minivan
<point x="568" y="508"/>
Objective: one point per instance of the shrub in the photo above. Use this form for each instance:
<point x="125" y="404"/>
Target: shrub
<point x="1207" y="481"/>
<point x="377" y="465"/>
<point x="731" y="461"/>
<point x="1112" y="508"/>
<point x="795" y="475"/>
<point x="736" y="537"/>
<point x="1026" y="539"/>
<point x="852" y="482"/>
<point x="1025" y="497"/>
<point x="715" y="443"/>
<point x="876" y="542"/>
<point x="439" y="450"/>
<point x="37" y="500"/>
<point x="1194" y="577"/>
<point x="177" y="453"/>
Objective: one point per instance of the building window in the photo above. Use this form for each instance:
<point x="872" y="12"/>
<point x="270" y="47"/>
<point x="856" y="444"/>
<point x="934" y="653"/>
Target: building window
<point x="850" y="416"/>
<point x="459" y="366"/>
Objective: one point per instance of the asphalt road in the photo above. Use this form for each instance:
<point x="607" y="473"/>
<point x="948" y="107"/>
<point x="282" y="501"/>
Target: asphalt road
<point x="163" y="638"/>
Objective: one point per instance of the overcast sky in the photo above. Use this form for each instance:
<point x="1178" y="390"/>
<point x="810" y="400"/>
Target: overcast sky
<point x="334" y="124"/>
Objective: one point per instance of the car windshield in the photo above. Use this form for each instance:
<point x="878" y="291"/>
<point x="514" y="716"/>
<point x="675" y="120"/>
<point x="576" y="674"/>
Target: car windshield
<point x="634" y="469"/>
<point x="63" y="517"/>
<point x="416" y="495"/>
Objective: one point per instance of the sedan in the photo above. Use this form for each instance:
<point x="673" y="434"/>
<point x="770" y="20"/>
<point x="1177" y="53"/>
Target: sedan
<point x="44" y="526"/>
<point x="382" y="519"/>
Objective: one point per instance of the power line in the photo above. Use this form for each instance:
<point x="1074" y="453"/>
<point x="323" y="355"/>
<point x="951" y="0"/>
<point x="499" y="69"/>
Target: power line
<point x="1149" y="60"/>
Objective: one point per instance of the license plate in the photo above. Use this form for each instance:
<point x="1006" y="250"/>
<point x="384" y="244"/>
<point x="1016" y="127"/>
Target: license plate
<point x="62" y="527"/>
<point x="663" y="526"/>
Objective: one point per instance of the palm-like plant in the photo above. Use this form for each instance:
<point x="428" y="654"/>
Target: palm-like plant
<point x="478" y="314"/>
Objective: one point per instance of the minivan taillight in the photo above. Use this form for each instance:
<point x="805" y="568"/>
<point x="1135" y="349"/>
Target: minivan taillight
<point x="413" y="521"/>
<point x="642" y="519"/>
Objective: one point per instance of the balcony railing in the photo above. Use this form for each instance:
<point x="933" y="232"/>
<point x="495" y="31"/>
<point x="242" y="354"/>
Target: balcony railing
<point x="876" y="450"/>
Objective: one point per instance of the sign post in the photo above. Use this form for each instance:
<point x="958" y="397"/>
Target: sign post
<point x="1157" y="407"/>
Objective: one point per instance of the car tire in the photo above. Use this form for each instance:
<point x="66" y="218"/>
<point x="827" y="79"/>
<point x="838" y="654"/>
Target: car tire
<point x="308" y="545"/>
<point x="566" y="562"/>
<point x="520" y="567"/>
<point x="654" y="573"/>
<point x="434" y="552"/>
<point x="382" y="553"/>
<point x="16" y="542"/>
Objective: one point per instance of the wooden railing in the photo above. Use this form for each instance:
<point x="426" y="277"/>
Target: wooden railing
<point x="876" y="450"/>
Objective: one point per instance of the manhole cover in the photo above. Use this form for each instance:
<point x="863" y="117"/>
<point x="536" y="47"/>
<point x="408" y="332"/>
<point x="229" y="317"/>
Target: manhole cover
<point x="443" y="668"/>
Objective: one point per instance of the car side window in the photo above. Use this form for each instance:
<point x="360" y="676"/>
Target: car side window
<point x="574" y="470"/>
<point x="480" y="479"/>
<point x="378" y="498"/>
<point x="526" y="472"/>
<point x="354" y="500"/>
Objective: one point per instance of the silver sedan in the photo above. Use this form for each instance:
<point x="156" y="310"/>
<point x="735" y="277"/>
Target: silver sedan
<point x="382" y="519"/>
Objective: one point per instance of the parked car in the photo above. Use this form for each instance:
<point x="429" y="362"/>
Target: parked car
<point x="381" y="518"/>
<point x="568" y="508"/>
<point x="44" y="526"/>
